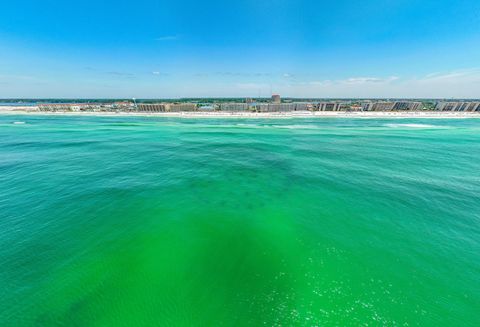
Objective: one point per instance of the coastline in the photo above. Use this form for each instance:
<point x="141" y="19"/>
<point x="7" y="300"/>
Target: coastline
<point x="218" y="114"/>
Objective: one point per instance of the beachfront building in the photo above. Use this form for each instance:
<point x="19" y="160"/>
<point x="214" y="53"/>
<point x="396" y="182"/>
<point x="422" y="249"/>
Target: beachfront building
<point x="337" y="106"/>
<point x="176" y="107"/>
<point x="207" y="107"/>
<point x="327" y="106"/>
<point x="367" y="106"/>
<point x="121" y="106"/>
<point x="67" y="107"/>
<point x="280" y="107"/>
<point x="407" y="105"/>
<point x="445" y="106"/>
<point x="383" y="106"/>
<point x="345" y="106"/>
<point x="166" y="107"/>
<point x="54" y="107"/>
<point x="415" y="106"/>
<point x="151" y="107"/>
<point x="473" y="106"/>
<point x="356" y="107"/>
<point x="392" y="106"/>
<point x="364" y="105"/>
<point x="458" y="106"/>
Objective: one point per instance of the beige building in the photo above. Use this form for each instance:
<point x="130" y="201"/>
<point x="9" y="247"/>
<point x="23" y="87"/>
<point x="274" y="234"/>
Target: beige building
<point x="181" y="107"/>
<point x="276" y="98"/>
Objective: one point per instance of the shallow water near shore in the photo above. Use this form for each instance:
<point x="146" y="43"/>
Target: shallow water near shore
<point x="141" y="221"/>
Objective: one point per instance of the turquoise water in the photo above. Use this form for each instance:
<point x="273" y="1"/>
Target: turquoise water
<point x="239" y="222"/>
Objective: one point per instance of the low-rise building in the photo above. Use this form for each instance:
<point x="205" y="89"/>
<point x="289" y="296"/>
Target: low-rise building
<point x="176" y="107"/>
<point x="122" y="105"/>
<point x="61" y="107"/>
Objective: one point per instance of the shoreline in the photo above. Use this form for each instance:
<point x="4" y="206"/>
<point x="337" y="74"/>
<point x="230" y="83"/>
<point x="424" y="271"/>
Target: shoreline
<point x="217" y="114"/>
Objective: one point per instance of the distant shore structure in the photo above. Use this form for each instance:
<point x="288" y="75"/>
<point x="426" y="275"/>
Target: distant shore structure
<point x="166" y="107"/>
<point x="274" y="105"/>
<point x="276" y="98"/>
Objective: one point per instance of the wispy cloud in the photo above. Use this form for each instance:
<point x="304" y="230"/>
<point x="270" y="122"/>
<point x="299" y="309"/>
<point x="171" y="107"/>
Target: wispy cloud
<point x="320" y="83"/>
<point x="120" y="74"/>
<point x="235" y="74"/>
<point x="455" y="76"/>
<point x="157" y="73"/>
<point x="351" y="81"/>
<point x="364" y="80"/>
<point x="232" y="74"/>
<point x="463" y="83"/>
<point x="18" y="77"/>
<point x="261" y="74"/>
<point x="167" y="38"/>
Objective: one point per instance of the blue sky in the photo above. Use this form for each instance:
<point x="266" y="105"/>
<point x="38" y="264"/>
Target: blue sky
<point x="186" y="48"/>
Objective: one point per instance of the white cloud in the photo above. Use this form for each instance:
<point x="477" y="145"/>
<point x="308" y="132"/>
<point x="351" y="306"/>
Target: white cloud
<point x="363" y="80"/>
<point x="458" y="76"/>
<point x="463" y="83"/>
<point x="158" y="73"/>
<point x="320" y="83"/>
<point x="453" y="84"/>
<point x="121" y="74"/>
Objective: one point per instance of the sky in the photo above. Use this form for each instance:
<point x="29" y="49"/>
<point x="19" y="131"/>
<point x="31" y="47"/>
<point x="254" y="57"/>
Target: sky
<point x="244" y="48"/>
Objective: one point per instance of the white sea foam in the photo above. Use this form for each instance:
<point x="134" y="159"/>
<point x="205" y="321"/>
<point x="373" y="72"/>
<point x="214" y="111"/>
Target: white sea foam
<point x="18" y="122"/>
<point x="249" y="125"/>
<point x="296" y="126"/>
<point x="414" y="126"/>
<point x="276" y="126"/>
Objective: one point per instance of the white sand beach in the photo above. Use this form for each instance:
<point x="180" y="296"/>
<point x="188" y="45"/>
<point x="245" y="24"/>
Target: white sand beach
<point x="14" y="110"/>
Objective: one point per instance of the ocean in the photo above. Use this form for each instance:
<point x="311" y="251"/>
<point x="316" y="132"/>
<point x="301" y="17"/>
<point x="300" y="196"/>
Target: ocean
<point x="131" y="221"/>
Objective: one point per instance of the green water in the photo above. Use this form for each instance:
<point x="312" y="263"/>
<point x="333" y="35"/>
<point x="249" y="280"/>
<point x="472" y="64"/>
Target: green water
<point x="237" y="222"/>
